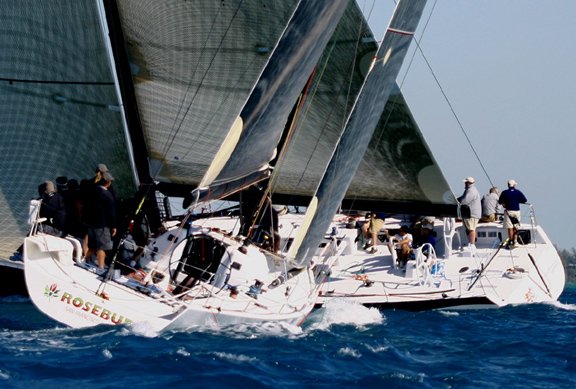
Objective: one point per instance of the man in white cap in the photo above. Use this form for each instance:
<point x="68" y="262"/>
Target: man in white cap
<point x="471" y="198"/>
<point x="511" y="199"/>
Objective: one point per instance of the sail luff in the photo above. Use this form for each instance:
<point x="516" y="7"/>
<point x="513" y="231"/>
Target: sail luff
<point x="126" y="91"/>
<point x="260" y="125"/>
<point x="107" y="39"/>
<point x="359" y="128"/>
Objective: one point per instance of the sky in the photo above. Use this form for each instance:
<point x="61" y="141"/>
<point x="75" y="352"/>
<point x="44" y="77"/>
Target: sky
<point x="508" y="70"/>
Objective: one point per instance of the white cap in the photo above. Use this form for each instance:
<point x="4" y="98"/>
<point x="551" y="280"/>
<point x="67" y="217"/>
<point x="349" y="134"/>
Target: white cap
<point x="469" y="179"/>
<point x="511" y="182"/>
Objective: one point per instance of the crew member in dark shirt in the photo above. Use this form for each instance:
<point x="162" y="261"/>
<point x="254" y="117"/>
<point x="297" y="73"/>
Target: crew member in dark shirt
<point x="101" y="219"/>
<point x="53" y="209"/>
<point x="511" y="199"/>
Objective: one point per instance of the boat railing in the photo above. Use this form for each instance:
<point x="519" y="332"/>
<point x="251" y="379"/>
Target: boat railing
<point x="34" y="219"/>
<point x="532" y="222"/>
<point x="449" y="233"/>
<point x="429" y="269"/>
<point x="327" y="258"/>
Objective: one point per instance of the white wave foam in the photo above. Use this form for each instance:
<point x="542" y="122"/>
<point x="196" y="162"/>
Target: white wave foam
<point x="449" y="313"/>
<point x="235" y="357"/>
<point x="258" y="330"/>
<point x="349" y="352"/>
<point x="183" y="352"/>
<point x="377" y="349"/>
<point x="566" y="307"/>
<point x="107" y="353"/>
<point x="141" y="329"/>
<point x="345" y="312"/>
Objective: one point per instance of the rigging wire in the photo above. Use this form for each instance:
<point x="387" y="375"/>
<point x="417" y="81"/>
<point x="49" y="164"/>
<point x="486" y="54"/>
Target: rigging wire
<point x="181" y="116"/>
<point x="451" y="107"/>
<point x="456" y="117"/>
<point x="395" y="100"/>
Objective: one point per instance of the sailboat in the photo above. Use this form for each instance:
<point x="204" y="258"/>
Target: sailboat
<point x="159" y="113"/>
<point x="449" y="273"/>
<point x="225" y="279"/>
<point x="401" y="178"/>
<point x="62" y="114"/>
<point x="179" y="141"/>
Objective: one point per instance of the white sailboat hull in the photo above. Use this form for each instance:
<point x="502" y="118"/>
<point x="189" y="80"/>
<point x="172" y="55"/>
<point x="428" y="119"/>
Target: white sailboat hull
<point x="75" y="295"/>
<point x="490" y="276"/>
<point x="487" y="275"/>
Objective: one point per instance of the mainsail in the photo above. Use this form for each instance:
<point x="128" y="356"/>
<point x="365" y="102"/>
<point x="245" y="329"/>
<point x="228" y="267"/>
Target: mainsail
<point x="194" y="65"/>
<point x="359" y="129"/>
<point x="59" y="111"/>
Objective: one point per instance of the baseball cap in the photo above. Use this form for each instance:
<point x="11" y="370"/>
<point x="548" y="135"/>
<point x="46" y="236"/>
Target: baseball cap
<point x="511" y="182"/>
<point x="101" y="168"/>
<point x="469" y="179"/>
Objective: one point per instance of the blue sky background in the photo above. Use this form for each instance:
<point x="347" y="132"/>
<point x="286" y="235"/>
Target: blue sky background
<point x="508" y="69"/>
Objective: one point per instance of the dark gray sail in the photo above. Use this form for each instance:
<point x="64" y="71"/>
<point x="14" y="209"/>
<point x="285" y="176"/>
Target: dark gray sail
<point x="194" y="65"/>
<point x="60" y="113"/>
<point x="359" y="129"/>
<point x="252" y="140"/>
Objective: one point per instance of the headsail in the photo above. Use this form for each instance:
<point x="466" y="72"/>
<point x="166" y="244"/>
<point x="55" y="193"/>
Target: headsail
<point x="252" y="140"/>
<point x="359" y="129"/>
<point x="398" y="173"/>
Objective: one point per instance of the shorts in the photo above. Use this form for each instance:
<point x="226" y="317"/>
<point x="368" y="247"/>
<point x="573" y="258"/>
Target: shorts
<point x="375" y="225"/>
<point x="507" y="222"/>
<point x="470" y="223"/>
<point x="489" y="218"/>
<point x="99" y="238"/>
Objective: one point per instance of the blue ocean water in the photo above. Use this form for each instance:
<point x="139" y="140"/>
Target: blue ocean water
<point x="340" y="346"/>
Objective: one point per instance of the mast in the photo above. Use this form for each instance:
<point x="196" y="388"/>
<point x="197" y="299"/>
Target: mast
<point x="127" y="94"/>
<point x="358" y="130"/>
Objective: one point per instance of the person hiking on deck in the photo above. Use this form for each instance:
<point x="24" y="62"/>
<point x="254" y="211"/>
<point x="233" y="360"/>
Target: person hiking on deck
<point x="511" y="199"/>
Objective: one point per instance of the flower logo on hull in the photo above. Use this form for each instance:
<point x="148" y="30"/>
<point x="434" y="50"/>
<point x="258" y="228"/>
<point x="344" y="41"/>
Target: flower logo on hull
<point x="51" y="291"/>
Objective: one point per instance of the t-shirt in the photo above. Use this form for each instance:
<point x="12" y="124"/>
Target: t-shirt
<point x="511" y="199"/>
<point x="399" y="237"/>
<point x="471" y="198"/>
<point x="489" y="204"/>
